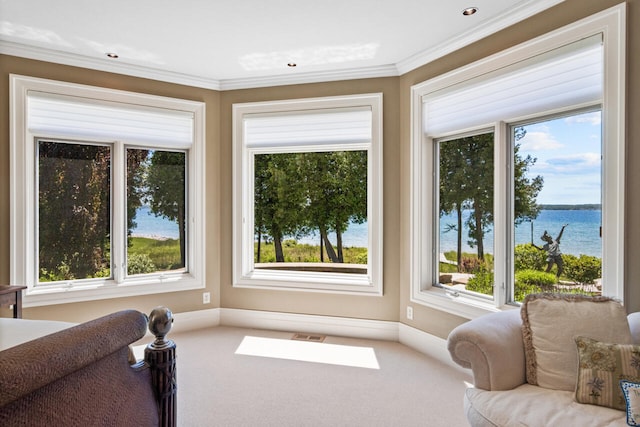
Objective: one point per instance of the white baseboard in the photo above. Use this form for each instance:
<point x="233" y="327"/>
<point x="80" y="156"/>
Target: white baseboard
<point x="428" y="344"/>
<point x="340" y="326"/>
<point x="192" y="320"/>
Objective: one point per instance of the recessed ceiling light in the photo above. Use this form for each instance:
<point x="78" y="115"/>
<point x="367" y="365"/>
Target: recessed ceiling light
<point x="112" y="55"/>
<point x="292" y="64"/>
<point x="469" y="11"/>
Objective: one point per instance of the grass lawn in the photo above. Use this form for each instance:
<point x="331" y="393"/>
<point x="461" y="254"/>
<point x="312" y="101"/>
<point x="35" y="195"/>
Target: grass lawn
<point x="165" y="254"/>
<point x="303" y="252"/>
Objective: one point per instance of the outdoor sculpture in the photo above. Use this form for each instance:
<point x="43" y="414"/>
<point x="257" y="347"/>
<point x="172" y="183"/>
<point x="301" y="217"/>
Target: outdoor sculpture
<point x="552" y="247"/>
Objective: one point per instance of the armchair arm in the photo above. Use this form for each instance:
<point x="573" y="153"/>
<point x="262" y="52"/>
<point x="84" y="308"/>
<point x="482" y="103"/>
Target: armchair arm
<point x="492" y="347"/>
<point x="634" y="325"/>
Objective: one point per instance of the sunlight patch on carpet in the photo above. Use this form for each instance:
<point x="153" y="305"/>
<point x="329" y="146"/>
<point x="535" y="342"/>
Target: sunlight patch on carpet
<point x="315" y="352"/>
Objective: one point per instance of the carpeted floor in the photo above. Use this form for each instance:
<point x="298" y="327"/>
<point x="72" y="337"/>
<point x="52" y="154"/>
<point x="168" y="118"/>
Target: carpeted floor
<point x="396" y="387"/>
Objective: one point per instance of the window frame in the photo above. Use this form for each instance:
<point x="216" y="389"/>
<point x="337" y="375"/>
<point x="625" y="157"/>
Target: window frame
<point x="23" y="197"/>
<point x="244" y="273"/>
<point x="611" y="25"/>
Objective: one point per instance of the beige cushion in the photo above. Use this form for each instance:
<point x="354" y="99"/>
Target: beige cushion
<point x="550" y="323"/>
<point x="601" y="367"/>
<point x="528" y="405"/>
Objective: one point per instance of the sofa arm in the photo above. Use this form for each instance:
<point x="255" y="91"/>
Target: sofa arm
<point x="492" y="347"/>
<point x="30" y="366"/>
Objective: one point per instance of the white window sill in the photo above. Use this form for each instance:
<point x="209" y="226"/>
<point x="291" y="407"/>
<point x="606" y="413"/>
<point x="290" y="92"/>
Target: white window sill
<point x="457" y="304"/>
<point x="98" y="290"/>
<point x="341" y="283"/>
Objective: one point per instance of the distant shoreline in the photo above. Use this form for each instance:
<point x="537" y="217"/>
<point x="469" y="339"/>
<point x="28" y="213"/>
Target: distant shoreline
<point x="583" y="207"/>
<point x="151" y="236"/>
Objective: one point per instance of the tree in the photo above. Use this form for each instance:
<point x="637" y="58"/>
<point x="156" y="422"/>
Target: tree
<point x="279" y="200"/>
<point x="453" y="189"/>
<point x="137" y="166"/>
<point x="298" y="193"/>
<point x="336" y="188"/>
<point x="466" y="174"/>
<point x="73" y="210"/>
<point x="165" y="191"/>
<point x="466" y="180"/>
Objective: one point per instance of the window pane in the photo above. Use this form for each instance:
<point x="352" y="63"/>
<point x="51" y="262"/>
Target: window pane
<point x="310" y="211"/>
<point x="466" y="213"/>
<point x="156" y="211"/>
<point x="558" y="164"/>
<point x="73" y="211"/>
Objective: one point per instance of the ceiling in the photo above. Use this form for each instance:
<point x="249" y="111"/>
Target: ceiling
<point x="229" y="44"/>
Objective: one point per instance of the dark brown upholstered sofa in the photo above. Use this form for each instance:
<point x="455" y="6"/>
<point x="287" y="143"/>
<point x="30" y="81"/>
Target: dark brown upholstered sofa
<point x="82" y="376"/>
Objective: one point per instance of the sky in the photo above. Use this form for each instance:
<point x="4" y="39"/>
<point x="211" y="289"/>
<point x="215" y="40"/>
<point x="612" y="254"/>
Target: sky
<point x="568" y="152"/>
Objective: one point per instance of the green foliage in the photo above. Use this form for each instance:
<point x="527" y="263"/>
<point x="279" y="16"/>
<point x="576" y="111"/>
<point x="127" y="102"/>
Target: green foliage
<point x="59" y="272"/>
<point x="527" y="257"/>
<point x="140" y="264"/>
<point x="482" y="282"/>
<point x="533" y="282"/>
<point x="73" y="210"/>
<point x="165" y="183"/>
<point x="535" y="278"/>
<point x="448" y="268"/>
<point x="466" y="182"/>
<point x="303" y="252"/>
<point x="296" y="193"/>
<point x="164" y="254"/>
<point x="584" y="269"/>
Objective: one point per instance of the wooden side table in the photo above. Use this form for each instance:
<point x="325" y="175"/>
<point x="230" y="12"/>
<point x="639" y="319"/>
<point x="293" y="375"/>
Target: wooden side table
<point x="12" y="295"/>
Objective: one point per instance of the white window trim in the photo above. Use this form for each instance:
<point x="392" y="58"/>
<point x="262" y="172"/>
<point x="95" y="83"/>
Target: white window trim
<point x="22" y="199"/>
<point x="244" y="275"/>
<point x="611" y="24"/>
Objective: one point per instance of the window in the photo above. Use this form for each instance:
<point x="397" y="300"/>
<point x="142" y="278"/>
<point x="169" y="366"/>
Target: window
<point x="307" y="194"/>
<point x="505" y="149"/>
<point x="104" y="196"/>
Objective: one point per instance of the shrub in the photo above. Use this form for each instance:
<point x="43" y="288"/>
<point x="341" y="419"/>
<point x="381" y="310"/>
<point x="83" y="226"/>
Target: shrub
<point x="532" y="282"/>
<point x="481" y="282"/>
<point x="471" y="265"/>
<point x="140" y="264"/>
<point x="585" y="269"/>
<point x="526" y="257"/>
<point x="522" y="290"/>
<point x="535" y="278"/>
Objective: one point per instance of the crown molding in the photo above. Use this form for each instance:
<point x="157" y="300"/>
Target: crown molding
<point x="315" y="77"/>
<point x="514" y="15"/>
<point x="73" y="59"/>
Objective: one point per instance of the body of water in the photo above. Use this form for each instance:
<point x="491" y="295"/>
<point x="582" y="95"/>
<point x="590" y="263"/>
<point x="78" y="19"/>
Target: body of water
<point x="582" y="235"/>
<point x="355" y="236"/>
<point x="153" y="226"/>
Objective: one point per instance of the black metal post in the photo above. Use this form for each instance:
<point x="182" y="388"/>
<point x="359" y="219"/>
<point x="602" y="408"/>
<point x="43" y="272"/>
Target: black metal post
<point x="160" y="355"/>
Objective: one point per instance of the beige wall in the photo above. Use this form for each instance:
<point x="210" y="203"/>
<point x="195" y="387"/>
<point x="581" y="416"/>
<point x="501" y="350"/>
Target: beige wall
<point x="391" y="306"/>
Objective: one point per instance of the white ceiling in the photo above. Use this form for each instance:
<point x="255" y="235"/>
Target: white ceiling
<point x="227" y="44"/>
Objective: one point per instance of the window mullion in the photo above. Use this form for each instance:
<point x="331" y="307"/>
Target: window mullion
<point x="502" y="214"/>
<point x="118" y="213"/>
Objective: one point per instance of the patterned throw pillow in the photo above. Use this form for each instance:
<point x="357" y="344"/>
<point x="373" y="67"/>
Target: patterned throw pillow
<point x="601" y="367"/>
<point x="631" y="392"/>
